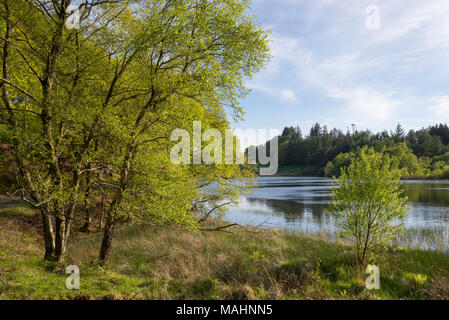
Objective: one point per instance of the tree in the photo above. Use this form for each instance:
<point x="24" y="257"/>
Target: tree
<point x="442" y="131"/>
<point x="95" y="106"/>
<point x="399" y="134"/>
<point x="316" y="130"/>
<point x="34" y="89"/>
<point x="57" y="85"/>
<point x="197" y="58"/>
<point x="407" y="161"/>
<point x="424" y="144"/>
<point x="336" y="166"/>
<point x="367" y="202"/>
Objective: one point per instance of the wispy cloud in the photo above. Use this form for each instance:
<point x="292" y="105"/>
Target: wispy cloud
<point x="326" y="58"/>
<point x="440" y="108"/>
<point x="288" y="95"/>
<point x="338" y="77"/>
<point x="283" y="94"/>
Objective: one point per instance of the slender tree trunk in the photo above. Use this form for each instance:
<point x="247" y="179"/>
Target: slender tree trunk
<point x="100" y="223"/>
<point x="49" y="237"/>
<point x="87" y="217"/>
<point x="124" y="173"/>
<point x="112" y="212"/>
<point x="109" y="228"/>
<point x="365" y="246"/>
<point x="70" y="212"/>
<point x="60" y="233"/>
<point x="107" y="240"/>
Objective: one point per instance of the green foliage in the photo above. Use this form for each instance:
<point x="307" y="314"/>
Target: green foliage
<point x="418" y="280"/>
<point x="299" y="171"/>
<point x="335" y="167"/>
<point x="331" y="150"/>
<point x="367" y="203"/>
<point x="424" y="144"/>
<point x="133" y="72"/>
<point x="440" y="169"/>
<point x="407" y="161"/>
<point x="5" y="134"/>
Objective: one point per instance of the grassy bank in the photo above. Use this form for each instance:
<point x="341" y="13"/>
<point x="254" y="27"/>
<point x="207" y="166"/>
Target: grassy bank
<point x="424" y="178"/>
<point x="298" y="171"/>
<point x="312" y="171"/>
<point x="173" y="264"/>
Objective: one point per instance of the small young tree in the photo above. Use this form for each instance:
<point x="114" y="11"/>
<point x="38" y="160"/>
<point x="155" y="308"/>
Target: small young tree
<point x="367" y="202"/>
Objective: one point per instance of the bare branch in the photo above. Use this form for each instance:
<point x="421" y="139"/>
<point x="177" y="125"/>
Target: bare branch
<point x="29" y="95"/>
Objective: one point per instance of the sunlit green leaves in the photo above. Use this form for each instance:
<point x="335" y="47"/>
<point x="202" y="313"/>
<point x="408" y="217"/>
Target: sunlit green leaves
<point x="367" y="202"/>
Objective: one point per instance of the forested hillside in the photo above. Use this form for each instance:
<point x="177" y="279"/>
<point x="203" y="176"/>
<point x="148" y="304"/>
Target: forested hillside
<point x="321" y="151"/>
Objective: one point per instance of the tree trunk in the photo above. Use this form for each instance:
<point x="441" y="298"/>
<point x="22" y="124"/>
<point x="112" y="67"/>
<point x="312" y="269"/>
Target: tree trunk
<point x="60" y="233"/>
<point x="49" y="238"/>
<point x="87" y="218"/>
<point x="46" y="116"/>
<point x="112" y="212"/>
<point x="100" y="223"/>
<point x="107" y="240"/>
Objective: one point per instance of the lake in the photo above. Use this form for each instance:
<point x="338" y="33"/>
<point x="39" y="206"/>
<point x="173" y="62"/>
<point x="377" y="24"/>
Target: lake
<point x="298" y="203"/>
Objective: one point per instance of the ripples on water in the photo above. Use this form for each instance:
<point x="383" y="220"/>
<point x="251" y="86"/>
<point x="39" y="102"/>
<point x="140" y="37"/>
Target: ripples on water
<point x="298" y="203"/>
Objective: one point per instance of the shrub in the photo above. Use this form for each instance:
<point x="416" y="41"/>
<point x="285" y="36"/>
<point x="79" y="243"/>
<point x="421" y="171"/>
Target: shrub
<point x="367" y="202"/>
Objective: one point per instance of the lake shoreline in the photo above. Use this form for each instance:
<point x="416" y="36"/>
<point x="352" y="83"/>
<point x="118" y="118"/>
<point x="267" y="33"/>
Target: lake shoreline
<point x="299" y="204"/>
<point x="404" y="178"/>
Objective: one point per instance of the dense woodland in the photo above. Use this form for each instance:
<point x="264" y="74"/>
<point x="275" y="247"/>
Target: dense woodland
<point x="424" y="152"/>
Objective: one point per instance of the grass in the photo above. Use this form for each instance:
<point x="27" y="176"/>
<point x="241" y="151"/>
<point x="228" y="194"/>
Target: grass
<point x="175" y="264"/>
<point x="435" y="238"/>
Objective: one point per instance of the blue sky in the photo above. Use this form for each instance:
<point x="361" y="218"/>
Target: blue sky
<point x="331" y="64"/>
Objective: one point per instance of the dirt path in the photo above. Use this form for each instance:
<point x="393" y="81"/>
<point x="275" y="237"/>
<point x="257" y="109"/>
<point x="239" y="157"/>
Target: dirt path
<point x="9" y="203"/>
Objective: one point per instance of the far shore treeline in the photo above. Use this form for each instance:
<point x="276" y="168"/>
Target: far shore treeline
<point x="421" y="153"/>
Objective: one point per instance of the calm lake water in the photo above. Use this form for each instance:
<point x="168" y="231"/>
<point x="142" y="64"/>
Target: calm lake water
<point x="298" y="203"/>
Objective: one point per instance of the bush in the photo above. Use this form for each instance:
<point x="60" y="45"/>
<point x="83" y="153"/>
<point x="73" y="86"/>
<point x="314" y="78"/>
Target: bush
<point x="367" y="202"/>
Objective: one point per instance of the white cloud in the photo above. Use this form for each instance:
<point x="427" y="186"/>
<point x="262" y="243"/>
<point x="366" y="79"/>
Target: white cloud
<point x="441" y="107"/>
<point x="366" y="103"/>
<point x="323" y="53"/>
<point x="288" y="95"/>
<point x="337" y="77"/>
<point x="284" y="94"/>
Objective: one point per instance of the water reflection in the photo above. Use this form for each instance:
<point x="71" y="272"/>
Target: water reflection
<point x="298" y="203"/>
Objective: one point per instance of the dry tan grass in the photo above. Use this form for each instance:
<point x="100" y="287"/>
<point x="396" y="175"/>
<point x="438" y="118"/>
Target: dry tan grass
<point x="19" y="235"/>
<point x="167" y="263"/>
<point x="245" y="261"/>
<point x="438" y="289"/>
